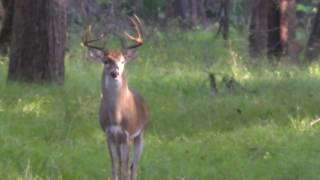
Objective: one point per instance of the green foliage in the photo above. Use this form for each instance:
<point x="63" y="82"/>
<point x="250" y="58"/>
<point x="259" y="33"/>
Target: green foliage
<point x="260" y="131"/>
<point x="104" y="1"/>
<point x="305" y="8"/>
<point x="153" y="7"/>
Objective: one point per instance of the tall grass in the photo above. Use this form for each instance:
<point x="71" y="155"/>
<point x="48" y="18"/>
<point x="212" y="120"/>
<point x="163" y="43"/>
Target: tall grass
<point x="259" y="131"/>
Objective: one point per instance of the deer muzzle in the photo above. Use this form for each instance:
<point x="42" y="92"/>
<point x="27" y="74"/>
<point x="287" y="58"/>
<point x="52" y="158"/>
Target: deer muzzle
<point x="114" y="74"/>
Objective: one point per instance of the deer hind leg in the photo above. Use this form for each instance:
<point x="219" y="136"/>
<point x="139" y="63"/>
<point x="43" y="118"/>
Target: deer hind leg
<point x="138" y="148"/>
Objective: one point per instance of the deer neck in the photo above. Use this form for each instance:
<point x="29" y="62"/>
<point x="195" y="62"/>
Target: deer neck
<point x="114" y="91"/>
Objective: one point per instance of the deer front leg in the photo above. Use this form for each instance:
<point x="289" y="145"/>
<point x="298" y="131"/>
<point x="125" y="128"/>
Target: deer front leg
<point x="138" y="148"/>
<point x="124" y="159"/>
<point x="118" y="140"/>
<point x="115" y="159"/>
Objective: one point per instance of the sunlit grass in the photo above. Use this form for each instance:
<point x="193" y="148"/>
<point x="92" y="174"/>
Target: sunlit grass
<point x="259" y="131"/>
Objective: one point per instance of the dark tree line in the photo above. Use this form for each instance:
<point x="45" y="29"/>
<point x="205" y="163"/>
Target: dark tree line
<point x="35" y="32"/>
<point x="273" y="28"/>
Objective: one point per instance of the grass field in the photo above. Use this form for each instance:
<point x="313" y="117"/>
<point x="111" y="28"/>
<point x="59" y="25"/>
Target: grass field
<point x="259" y="131"/>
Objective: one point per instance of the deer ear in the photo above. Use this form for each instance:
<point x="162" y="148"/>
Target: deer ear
<point x="130" y="54"/>
<point x="96" y="54"/>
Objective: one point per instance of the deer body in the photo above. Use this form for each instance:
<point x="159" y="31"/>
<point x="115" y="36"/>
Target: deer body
<point x="121" y="106"/>
<point x="123" y="113"/>
<point x="123" y="117"/>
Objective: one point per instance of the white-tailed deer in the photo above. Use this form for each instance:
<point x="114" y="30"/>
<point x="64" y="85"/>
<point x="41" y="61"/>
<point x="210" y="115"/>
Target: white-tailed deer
<point x="123" y="113"/>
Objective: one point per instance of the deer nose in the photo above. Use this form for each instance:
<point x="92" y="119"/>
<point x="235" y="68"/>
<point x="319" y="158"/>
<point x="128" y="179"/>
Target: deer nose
<point x="114" y="74"/>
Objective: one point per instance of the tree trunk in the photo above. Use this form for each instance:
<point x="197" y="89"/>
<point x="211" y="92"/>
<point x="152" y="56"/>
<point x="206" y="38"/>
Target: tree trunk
<point x="287" y="28"/>
<point x="6" y="29"/>
<point x="273" y="31"/>
<point x="183" y="6"/>
<point x="169" y="9"/>
<point x="114" y="7"/>
<point x="313" y="46"/>
<point x="190" y="12"/>
<point x="137" y="5"/>
<point x="194" y="12"/>
<point x="202" y="13"/>
<point x="258" y="28"/>
<point x="38" y="41"/>
<point x="225" y="29"/>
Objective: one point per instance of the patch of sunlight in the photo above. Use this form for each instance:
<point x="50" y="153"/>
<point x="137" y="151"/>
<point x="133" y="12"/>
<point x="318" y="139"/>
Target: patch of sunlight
<point x="153" y="139"/>
<point x="35" y="106"/>
<point x="27" y="174"/>
<point x="198" y="35"/>
<point x="314" y="69"/>
<point x="267" y="155"/>
<point x="299" y="124"/>
<point x="1" y="108"/>
<point x="32" y="107"/>
<point x="241" y="74"/>
<point x="182" y="138"/>
<point x="277" y="73"/>
<point x="239" y="71"/>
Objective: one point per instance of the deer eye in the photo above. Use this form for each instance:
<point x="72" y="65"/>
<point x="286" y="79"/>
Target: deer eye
<point x="106" y="62"/>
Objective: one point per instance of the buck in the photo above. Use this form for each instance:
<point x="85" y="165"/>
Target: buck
<point x="123" y="113"/>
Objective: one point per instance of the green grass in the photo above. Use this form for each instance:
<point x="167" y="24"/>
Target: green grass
<point x="260" y="132"/>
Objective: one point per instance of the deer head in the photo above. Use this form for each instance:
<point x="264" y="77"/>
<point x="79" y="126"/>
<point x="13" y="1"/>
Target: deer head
<point x="114" y="61"/>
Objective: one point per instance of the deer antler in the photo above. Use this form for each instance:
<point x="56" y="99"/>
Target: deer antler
<point x="88" y="42"/>
<point x="136" y="23"/>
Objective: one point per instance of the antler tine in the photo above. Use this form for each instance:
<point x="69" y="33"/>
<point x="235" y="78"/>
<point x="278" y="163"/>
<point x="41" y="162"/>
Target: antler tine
<point x="87" y="41"/>
<point x="136" y="23"/>
<point x="139" y="24"/>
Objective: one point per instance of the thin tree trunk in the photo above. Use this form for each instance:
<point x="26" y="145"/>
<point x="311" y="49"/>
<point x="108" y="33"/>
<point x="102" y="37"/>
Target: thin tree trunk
<point x="313" y="46"/>
<point x="225" y="31"/>
<point x="38" y="41"/>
